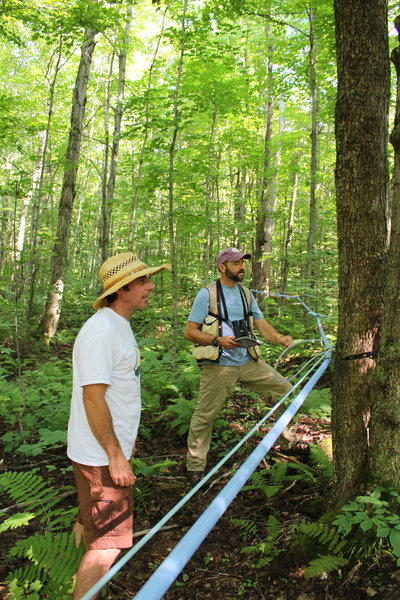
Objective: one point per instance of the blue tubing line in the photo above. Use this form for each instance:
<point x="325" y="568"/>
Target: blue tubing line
<point x="170" y="568"/>
<point x="124" y="559"/>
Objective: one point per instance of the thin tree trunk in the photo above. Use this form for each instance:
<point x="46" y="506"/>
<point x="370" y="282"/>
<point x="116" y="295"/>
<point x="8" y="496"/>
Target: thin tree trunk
<point x="68" y="191"/>
<point x="137" y="176"/>
<point x="385" y="406"/>
<point x="105" y="208"/>
<point x="310" y="270"/>
<point x="37" y="199"/>
<point x="108" y="194"/>
<point x="260" y="247"/>
<point x="289" y="234"/>
<point x="361" y="173"/>
<point x="171" y="181"/>
<point x="240" y="204"/>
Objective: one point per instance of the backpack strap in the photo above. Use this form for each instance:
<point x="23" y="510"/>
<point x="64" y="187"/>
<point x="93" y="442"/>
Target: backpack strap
<point x="246" y="301"/>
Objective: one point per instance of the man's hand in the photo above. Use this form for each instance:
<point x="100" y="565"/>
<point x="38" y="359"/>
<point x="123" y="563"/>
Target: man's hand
<point x="228" y="342"/>
<point x="121" y="471"/>
<point x="286" y="341"/>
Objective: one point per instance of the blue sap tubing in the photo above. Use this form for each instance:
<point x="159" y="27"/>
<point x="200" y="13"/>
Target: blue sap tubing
<point x="168" y="571"/>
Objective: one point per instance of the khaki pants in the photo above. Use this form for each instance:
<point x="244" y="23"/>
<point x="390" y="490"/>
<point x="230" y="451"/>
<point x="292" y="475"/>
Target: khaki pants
<point x="215" y="383"/>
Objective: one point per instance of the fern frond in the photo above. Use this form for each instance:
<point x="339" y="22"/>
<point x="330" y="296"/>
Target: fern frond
<point x="32" y="489"/>
<point x="54" y="556"/>
<point x="321" y="461"/>
<point x="327" y="536"/>
<point x="16" y="521"/>
<point x="325" y="564"/>
<point x="248" y="528"/>
<point x="23" y="487"/>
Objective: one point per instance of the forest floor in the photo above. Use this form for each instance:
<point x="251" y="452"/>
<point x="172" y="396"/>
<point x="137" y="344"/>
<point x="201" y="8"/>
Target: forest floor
<point x="220" y="569"/>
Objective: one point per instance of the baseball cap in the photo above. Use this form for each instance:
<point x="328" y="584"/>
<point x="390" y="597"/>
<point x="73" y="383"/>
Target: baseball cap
<point x="230" y="254"/>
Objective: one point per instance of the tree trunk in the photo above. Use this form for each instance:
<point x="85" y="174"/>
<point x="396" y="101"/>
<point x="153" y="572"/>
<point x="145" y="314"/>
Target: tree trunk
<point x="361" y="173"/>
<point x="137" y="176"/>
<point x="171" y="181"/>
<point x="385" y="405"/>
<point x="68" y="191"/>
<point x="109" y="187"/>
<point x="288" y="238"/>
<point x="37" y="199"/>
<point x="263" y="216"/>
<point x="105" y="208"/>
<point x="310" y="270"/>
<point x="240" y="205"/>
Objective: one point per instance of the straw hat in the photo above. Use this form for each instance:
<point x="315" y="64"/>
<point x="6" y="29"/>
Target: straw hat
<point x="119" y="270"/>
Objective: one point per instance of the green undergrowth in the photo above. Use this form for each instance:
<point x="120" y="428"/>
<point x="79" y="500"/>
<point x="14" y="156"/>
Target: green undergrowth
<point x="34" y="406"/>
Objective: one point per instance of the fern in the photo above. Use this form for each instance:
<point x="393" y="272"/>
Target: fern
<point x="54" y="561"/>
<point x="182" y="409"/>
<point x="267" y="548"/>
<point x="320" y="461"/>
<point x="324" y="564"/>
<point x="24" y="487"/>
<point x="16" y="521"/>
<point x="29" y="488"/>
<point x="327" y="536"/>
<point x="273" y="481"/>
<point x="248" y="529"/>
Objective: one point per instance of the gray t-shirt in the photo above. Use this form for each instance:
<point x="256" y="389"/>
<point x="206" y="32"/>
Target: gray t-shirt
<point x="234" y="305"/>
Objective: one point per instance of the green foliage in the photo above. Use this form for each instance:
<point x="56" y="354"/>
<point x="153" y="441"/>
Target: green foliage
<point x="38" y="402"/>
<point x="248" y="528"/>
<point x="318" y="404"/>
<point x="272" y="481"/>
<point x="365" y="529"/>
<point x="373" y="521"/>
<point x="325" y="564"/>
<point x="47" y="439"/>
<point x="41" y="496"/>
<point x="182" y="410"/>
<point x="15" y="521"/>
<point x="320" y="462"/>
<point x="268" y="549"/>
<point x="53" y="562"/>
<point x="144" y="473"/>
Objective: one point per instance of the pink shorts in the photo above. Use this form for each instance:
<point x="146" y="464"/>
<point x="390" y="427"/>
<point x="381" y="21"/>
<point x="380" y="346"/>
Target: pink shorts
<point x="105" y="509"/>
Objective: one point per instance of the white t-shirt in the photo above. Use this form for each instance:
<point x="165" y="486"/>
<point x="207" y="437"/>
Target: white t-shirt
<point x="105" y="351"/>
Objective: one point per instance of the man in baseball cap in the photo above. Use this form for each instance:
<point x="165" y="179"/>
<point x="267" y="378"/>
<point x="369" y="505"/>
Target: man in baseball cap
<point x="221" y="325"/>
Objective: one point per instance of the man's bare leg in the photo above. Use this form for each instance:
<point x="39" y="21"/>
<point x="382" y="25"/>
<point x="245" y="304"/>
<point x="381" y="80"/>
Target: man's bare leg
<point x="94" y="564"/>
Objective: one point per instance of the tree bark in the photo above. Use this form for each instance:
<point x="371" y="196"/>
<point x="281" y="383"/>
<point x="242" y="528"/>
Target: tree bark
<point x="52" y="75"/>
<point x="171" y="181"/>
<point x="361" y="173"/>
<point x="288" y="238"/>
<point x="68" y="191"/>
<point x="263" y="217"/>
<point x="385" y="406"/>
<point x="310" y="270"/>
<point x="109" y="187"/>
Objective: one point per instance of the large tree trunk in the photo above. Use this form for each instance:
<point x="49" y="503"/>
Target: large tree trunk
<point x="385" y="405"/>
<point x="361" y="173"/>
<point x="68" y="191"/>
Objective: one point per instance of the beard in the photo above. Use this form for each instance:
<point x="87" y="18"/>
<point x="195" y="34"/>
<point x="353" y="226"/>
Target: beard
<point x="238" y="277"/>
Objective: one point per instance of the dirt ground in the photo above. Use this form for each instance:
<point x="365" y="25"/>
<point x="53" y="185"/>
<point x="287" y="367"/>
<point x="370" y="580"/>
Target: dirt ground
<point x="220" y="569"/>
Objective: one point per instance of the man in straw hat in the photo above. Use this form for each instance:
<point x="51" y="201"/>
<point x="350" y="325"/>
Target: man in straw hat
<point x="221" y="325"/>
<point x="105" y="413"/>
